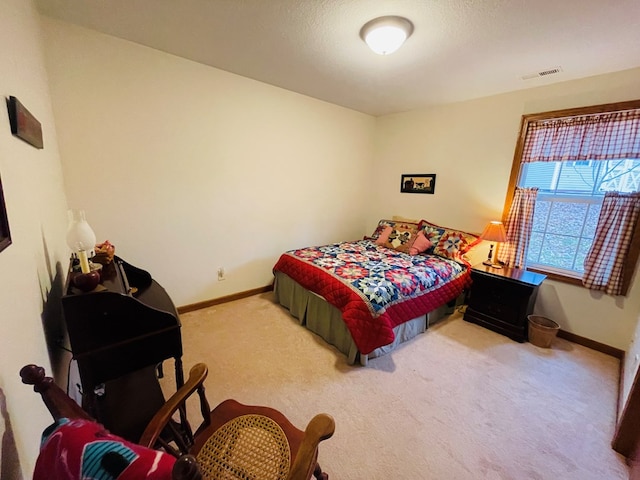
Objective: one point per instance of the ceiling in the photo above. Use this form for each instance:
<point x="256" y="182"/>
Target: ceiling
<point x="459" y="50"/>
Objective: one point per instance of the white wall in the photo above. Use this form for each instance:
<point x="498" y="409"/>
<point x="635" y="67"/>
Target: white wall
<point x="186" y="168"/>
<point x="470" y="147"/>
<point x="29" y="268"/>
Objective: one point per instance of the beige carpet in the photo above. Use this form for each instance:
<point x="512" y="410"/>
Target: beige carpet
<point x="458" y="402"/>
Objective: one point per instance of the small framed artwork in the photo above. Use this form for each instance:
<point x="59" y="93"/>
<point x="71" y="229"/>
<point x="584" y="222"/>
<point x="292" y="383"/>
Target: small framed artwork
<point x="23" y="124"/>
<point x="418" y="183"/>
<point x="5" y="235"/>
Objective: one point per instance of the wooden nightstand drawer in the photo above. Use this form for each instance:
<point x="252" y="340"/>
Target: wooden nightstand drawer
<point x="501" y="299"/>
<point x="489" y="290"/>
<point x="506" y="313"/>
<point x="515" y="332"/>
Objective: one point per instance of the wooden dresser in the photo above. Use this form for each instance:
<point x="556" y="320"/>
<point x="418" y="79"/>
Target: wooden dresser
<point x="118" y="334"/>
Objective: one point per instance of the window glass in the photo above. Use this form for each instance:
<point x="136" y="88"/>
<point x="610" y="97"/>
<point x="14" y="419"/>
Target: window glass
<point x="567" y="208"/>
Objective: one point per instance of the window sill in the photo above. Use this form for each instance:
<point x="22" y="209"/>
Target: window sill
<point x="558" y="277"/>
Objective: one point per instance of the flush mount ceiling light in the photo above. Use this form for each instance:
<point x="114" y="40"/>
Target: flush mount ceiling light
<point x="385" y="35"/>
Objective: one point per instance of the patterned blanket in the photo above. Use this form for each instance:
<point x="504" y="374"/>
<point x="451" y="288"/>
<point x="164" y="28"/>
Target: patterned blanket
<point x="84" y="450"/>
<point x="374" y="287"/>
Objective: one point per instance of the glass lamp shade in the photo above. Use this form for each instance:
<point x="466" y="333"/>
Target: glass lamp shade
<point x="80" y="236"/>
<point x="385" y="35"/>
<point x="385" y="40"/>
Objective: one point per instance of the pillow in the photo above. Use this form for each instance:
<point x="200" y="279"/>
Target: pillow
<point x="382" y="224"/>
<point x="400" y="239"/>
<point x="432" y="232"/>
<point x="450" y="243"/>
<point x="384" y="236"/>
<point x="420" y="244"/>
<point x="453" y="244"/>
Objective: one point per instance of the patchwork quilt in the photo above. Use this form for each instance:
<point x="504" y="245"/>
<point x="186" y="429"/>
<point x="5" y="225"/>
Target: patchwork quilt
<point x="375" y="288"/>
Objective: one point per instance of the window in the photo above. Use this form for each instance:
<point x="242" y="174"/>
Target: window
<point x="568" y="206"/>
<point x="572" y="172"/>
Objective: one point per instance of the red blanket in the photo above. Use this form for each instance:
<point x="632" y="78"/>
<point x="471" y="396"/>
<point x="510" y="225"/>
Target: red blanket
<point x="348" y="274"/>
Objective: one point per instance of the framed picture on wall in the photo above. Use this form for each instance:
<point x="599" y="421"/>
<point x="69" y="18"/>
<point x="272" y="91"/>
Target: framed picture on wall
<point x="418" y="183"/>
<point x="23" y="124"/>
<point x="5" y="234"/>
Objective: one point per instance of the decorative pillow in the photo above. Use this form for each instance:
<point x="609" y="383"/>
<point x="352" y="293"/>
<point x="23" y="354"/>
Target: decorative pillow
<point x="420" y="244"/>
<point x="382" y="224"/>
<point x="384" y="236"/>
<point x="432" y="232"/>
<point x="454" y="243"/>
<point x="449" y="243"/>
<point x="400" y="239"/>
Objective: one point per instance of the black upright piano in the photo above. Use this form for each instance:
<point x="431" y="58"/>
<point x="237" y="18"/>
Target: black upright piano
<point x="119" y="335"/>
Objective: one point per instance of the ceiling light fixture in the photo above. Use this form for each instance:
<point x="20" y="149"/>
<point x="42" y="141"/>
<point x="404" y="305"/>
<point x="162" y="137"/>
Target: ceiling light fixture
<point x="385" y="35"/>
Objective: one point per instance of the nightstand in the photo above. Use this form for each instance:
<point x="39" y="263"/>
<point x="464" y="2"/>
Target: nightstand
<point x="500" y="299"/>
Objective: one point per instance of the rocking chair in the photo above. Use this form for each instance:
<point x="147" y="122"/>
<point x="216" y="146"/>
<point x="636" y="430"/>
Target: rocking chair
<point x="234" y="441"/>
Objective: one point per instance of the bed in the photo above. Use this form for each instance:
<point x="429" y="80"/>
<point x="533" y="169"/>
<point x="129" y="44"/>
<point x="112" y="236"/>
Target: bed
<point x="368" y="296"/>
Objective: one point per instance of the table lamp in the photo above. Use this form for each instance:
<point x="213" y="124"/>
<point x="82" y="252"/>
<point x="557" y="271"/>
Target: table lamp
<point x="493" y="232"/>
<point x="81" y="239"/>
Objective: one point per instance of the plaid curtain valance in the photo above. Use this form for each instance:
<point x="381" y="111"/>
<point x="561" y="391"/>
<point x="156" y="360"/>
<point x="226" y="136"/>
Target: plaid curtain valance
<point x="607" y="136"/>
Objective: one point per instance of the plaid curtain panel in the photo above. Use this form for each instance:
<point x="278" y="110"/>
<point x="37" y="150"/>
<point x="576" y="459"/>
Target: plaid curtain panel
<point x="604" y="264"/>
<point x="518" y="227"/>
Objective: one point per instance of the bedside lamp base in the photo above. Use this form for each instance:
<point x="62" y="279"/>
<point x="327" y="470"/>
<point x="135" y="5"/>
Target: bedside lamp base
<point x="489" y="262"/>
<point x="492" y="265"/>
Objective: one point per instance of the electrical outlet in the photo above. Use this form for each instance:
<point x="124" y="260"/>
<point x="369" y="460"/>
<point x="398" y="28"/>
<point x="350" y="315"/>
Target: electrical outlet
<point x="221" y="274"/>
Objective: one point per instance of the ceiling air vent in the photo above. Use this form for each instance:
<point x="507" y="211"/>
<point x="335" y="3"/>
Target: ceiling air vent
<point x="543" y="73"/>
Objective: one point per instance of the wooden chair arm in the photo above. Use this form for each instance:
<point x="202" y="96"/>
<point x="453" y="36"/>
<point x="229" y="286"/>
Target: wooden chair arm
<point x="59" y="404"/>
<point x="319" y="428"/>
<point x="160" y="420"/>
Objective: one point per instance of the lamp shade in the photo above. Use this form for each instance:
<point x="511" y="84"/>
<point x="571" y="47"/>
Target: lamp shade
<point x="385" y="35"/>
<point x="80" y="236"/>
<point x="494" y="232"/>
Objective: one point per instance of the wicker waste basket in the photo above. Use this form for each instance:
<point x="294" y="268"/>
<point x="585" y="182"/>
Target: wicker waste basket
<point x="542" y="331"/>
